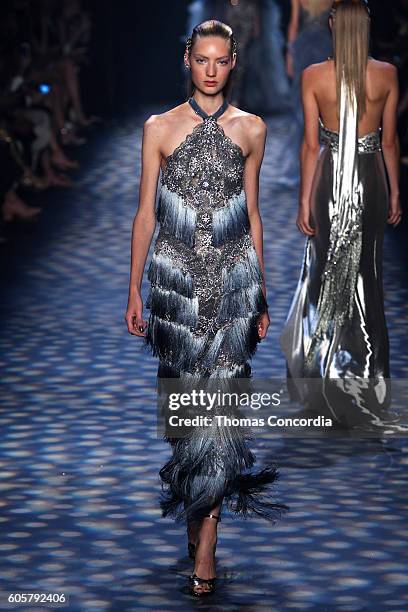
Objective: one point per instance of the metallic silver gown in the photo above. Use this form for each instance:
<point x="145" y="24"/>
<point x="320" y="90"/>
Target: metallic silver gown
<point x="205" y="298"/>
<point x="335" y="338"/>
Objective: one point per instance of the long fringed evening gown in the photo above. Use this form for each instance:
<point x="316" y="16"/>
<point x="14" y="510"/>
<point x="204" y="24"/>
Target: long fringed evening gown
<point x="205" y="298"/>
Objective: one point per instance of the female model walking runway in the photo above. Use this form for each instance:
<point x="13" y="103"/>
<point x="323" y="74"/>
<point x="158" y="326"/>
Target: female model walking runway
<point x="336" y="331"/>
<point x="207" y="296"/>
<point x="309" y="42"/>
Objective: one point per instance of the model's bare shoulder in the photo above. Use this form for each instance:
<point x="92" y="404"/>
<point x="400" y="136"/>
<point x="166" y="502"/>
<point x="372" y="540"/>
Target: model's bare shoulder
<point x="165" y="120"/>
<point x="380" y="66"/>
<point x="156" y="123"/>
<point x="153" y="133"/>
<point x="151" y="123"/>
<point x="156" y="128"/>
<point x="153" y="126"/>
<point x="253" y="129"/>
<point x="383" y="74"/>
<point x="251" y="124"/>
<point x="256" y="130"/>
<point x="315" y="73"/>
<point x="256" y="124"/>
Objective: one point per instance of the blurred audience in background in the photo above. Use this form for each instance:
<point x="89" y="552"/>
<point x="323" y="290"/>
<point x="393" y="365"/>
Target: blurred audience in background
<point x="391" y="46"/>
<point x="43" y="45"/>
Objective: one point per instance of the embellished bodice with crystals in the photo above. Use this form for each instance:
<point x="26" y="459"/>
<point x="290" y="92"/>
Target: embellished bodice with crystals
<point x="369" y="143"/>
<point x="210" y="176"/>
<point x="205" y="273"/>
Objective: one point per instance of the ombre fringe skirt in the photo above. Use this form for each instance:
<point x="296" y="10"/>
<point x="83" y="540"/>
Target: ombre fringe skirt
<point x="209" y="465"/>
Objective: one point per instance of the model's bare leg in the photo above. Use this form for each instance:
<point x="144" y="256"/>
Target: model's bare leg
<point x="205" y="549"/>
<point x="193" y="529"/>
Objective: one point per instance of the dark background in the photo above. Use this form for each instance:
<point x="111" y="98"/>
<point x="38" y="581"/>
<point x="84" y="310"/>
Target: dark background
<point x="137" y="51"/>
<point x="137" y="55"/>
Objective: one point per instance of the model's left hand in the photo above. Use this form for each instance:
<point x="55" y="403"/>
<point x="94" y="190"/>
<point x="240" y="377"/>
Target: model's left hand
<point x="303" y="221"/>
<point x="395" y="211"/>
<point x="263" y="324"/>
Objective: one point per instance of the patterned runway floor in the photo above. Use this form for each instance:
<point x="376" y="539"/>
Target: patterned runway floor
<point x="80" y="454"/>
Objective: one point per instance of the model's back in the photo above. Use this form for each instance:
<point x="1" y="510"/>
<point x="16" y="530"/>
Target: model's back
<point x="379" y="79"/>
<point x="314" y="9"/>
<point x="336" y="328"/>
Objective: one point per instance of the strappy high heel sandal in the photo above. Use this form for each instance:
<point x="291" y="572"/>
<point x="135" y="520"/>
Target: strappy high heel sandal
<point x="195" y="581"/>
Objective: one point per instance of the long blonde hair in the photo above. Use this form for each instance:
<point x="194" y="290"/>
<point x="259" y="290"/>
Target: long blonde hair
<point x="351" y="40"/>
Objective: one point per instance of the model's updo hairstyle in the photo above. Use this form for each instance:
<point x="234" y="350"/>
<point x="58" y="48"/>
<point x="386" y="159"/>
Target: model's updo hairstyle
<point x="351" y="40"/>
<point x="212" y="27"/>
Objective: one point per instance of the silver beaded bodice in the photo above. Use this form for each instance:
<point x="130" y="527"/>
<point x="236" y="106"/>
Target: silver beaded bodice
<point x="206" y="168"/>
<point x="206" y="171"/>
<point x="366" y="144"/>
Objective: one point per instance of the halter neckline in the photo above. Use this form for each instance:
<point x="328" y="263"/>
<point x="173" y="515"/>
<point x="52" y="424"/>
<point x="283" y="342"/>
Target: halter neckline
<point x="199" y="111"/>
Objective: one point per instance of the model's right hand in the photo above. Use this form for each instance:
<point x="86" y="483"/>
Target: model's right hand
<point x="136" y="324"/>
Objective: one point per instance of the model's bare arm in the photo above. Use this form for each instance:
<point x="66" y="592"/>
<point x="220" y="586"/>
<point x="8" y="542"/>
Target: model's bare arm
<point x="257" y="131"/>
<point x="294" y="21"/>
<point x="292" y="34"/>
<point x="144" y="222"/>
<point x="390" y="146"/>
<point x="309" y="150"/>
